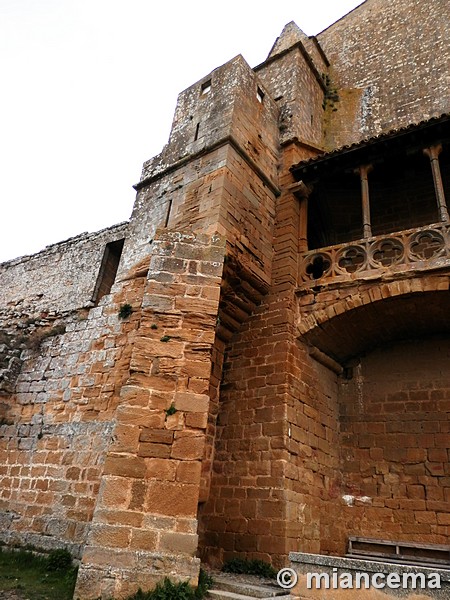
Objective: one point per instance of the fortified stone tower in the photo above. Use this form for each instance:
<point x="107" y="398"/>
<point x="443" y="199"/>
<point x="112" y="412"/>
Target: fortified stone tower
<point x="256" y="363"/>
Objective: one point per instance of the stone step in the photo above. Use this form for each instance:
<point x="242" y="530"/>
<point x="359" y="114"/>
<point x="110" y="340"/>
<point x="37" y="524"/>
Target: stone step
<point x="217" y="594"/>
<point x="245" y="589"/>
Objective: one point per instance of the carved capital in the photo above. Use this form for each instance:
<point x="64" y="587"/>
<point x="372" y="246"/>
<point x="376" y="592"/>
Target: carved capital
<point x="300" y="189"/>
<point x="363" y="170"/>
<point x="433" y="151"/>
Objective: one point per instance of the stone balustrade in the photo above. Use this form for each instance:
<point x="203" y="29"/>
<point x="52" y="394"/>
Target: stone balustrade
<point x="414" y="249"/>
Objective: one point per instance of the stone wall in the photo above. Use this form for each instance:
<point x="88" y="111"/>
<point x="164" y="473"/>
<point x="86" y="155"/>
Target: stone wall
<point x="57" y="416"/>
<point x="39" y="292"/>
<point x="395" y="432"/>
<point x="58" y="279"/>
<point x="144" y="523"/>
<point x="396" y="54"/>
<point x="298" y="88"/>
<point x="237" y="407"/>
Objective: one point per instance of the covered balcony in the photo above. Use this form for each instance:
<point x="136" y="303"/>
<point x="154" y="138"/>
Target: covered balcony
<point x="376" y="207"/>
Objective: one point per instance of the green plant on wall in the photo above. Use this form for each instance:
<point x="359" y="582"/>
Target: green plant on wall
<point x="171" y="410"/>
<point x="125" y="311"/>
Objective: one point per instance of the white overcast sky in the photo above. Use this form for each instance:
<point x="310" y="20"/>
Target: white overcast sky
<point x="88" y="91"/>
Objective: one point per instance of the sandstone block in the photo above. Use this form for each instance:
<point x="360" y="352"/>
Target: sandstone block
<point x="124" y="466"/>
<point x="130" y="415"/>
<point x="149" y="450"/>
<point x="171" y="499"/>
<point x="197" y="420"/>
<point x="163" y="469"/>
<point x="187" y="446"/>
<point x="110" y="536"/>
<point x="179" y="543"/>
<point x="160" y="436"/>
<point x="189" y="472"/>
<point x="189" y="402"/>
<point x="142" y="539"/>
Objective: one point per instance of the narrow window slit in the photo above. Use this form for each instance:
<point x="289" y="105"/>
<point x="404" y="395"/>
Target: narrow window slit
<point x="108" y="270"/>
<point x="206" y="87"/>
<point x="169" y="209"/>
<point x="196" y="132"/>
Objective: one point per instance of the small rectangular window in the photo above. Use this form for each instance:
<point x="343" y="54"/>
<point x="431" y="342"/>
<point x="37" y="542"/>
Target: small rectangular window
<point x="260" y="95"/>
<point x="206" y="87"/>
<point x="108" y="270"/>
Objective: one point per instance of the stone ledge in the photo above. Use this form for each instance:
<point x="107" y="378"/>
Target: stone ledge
<point x="304" y="563"/>
<point x="359" y="564"/>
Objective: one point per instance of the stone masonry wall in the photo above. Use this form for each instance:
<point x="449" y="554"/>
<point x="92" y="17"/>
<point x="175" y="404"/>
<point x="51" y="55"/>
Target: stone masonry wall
<point x="144" y="523"/>
<point x="395" y="428"/>
<point x="299" y="96"/>
<point x="391" y="398"/>
<point x="59" y="278"/>
<point x="40" y="293"/>
<point x="113" y="430"/>
<point x="57" y="425"/>
<point x="397" y="53"/>
<point x="276" y="425"/>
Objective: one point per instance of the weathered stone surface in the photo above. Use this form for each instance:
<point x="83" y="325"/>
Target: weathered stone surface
<point x="299" y="402"/>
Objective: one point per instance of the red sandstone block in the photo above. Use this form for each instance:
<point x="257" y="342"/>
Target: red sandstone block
<point x="73" y="473"/>
<point x="160" y="436"/>
<point x="175" y="422"/>
<point x="142" y="539"/>
<point x="171" y="499"/>
<point x="188" y="446"/>
<point x="441" y="440"/>
<point x="159" y="468"/>
<point x="405" y="516"/>
<point x="140" y="416"/>
<point x="425" y="517"/>
<point x="416" y="455"/>
<point x="189" y="472"/>
<point x="120" y="517"/>
<point x="197" y="305"/>
<point x="196" y="368"/>
<point x="438" y="455"/>
<point x="149" y="450"/>
<point x="197" y="420"/>
<point x="443" y="518"/>
<point x="110" y="536"/>
<point x="413" y="504"/>
<point x="271" y="544"/>
<point x="272" y="509"/>
<point x="416" y="492"/>
<point x="190" y="402"/>
<point x="179" y="543"/>
<point x="435" y="468"/>
<point x="124" y="466"/>
<point x="198" y="386"/>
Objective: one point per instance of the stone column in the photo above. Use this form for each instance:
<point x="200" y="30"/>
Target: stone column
<point x="364" y="171"/>
<point x="433" y="154"/>
<point x="302" y="193"/>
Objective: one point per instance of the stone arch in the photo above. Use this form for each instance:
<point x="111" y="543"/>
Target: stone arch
<point x="358" y="320"/>
<point x="391" y="405"/>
